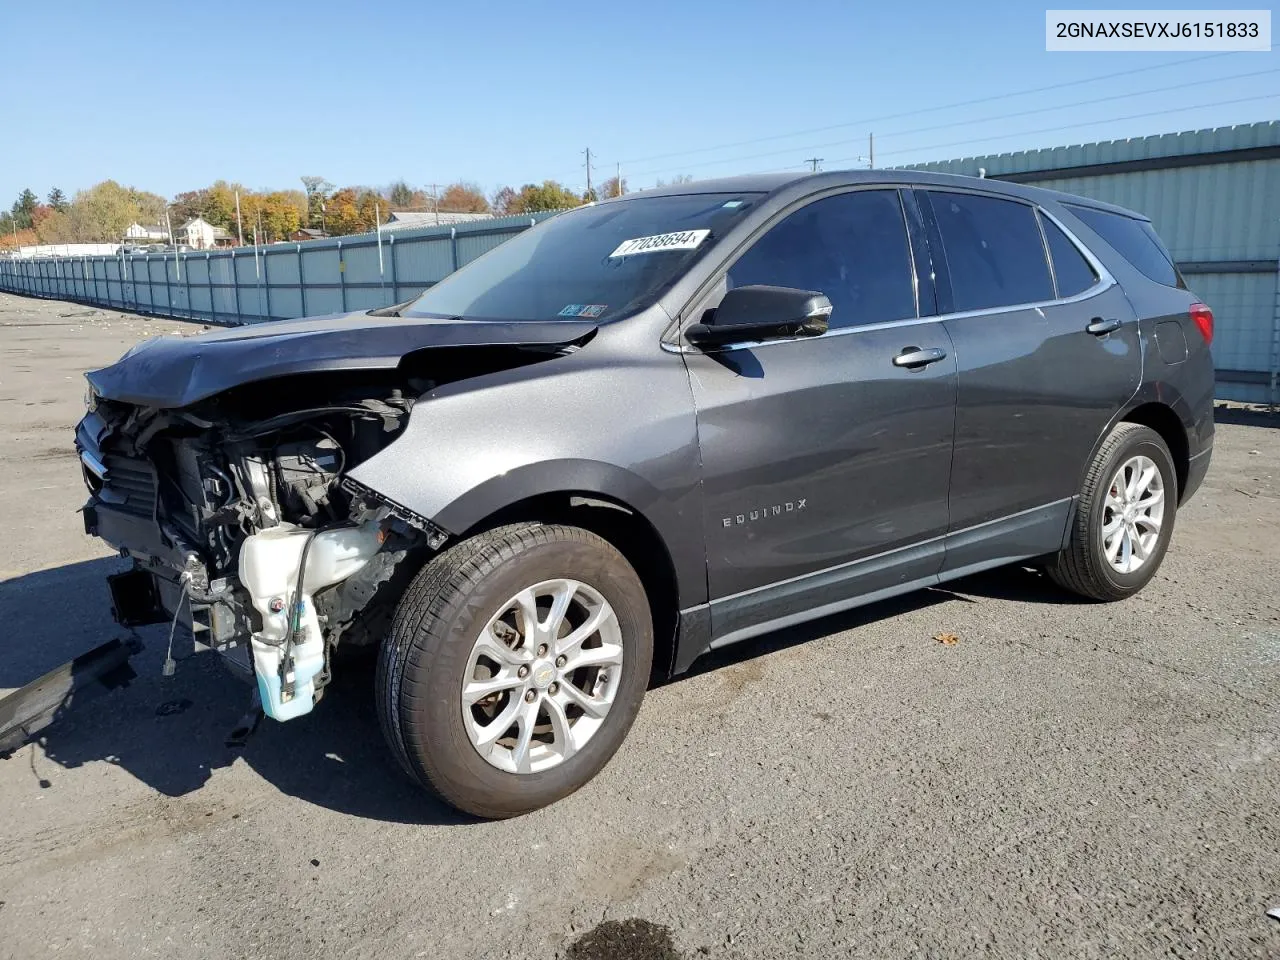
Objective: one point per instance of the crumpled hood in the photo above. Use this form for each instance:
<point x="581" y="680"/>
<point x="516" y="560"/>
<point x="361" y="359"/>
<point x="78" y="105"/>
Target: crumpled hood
<point x="172" y="372"/>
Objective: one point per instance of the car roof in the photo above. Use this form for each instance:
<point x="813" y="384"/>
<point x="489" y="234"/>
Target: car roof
<point x="802" y="183"/>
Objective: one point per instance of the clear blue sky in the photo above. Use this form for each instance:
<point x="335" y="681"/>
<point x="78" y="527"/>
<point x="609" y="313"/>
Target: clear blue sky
<point x="171" y="96"/>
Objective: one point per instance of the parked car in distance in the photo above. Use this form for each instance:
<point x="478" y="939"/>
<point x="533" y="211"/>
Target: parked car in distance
<point x="645" y="429"/>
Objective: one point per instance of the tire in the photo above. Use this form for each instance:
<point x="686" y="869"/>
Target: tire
<point x="1083" y="567"/>
<point x="429" y="654"/>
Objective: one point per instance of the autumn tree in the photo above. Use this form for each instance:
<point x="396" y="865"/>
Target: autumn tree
<point x="400" y="195"/>
<point x="611" y="188"/>
<point x="188" y="205"/>
<point x="502" y="200"/>
<point x="40" y="215"/>
<point x="462" y="197"/>
<point x="11" y="240"/>
<point x="57" y="200"/>
<point x="150" y="206"/>
<point x="317" y="190"/>
<point x="220" y="204"/>
<point x="57" y="227"/>
<point x="22" y="209"/>
<point x="675" y="181"/>
<point x="104" y="212"/>
<point x="274" y="215"/>
<point x="354" y="210"/>
<point x="549" y="195"/>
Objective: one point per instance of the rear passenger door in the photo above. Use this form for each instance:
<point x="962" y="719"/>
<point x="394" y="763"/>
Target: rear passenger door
<point x="1048" y="352"/>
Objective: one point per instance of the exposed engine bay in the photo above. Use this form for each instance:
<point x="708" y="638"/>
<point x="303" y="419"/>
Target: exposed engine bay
<point x="242" y="525"/>
<point x="219" y="465"/>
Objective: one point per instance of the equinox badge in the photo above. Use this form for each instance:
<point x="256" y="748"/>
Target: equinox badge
<point x="764" y="513"/>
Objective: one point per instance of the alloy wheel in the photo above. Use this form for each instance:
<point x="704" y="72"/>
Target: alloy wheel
<point x="1133" y="514"/>
<point x="542" y="676"/>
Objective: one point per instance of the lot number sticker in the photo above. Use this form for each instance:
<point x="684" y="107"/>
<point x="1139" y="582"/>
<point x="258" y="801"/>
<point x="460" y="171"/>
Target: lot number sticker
<point x="682" y="240"/>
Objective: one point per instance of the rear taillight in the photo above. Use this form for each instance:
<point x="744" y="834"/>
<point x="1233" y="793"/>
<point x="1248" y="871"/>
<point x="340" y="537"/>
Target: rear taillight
<point x="1203" y="318"/>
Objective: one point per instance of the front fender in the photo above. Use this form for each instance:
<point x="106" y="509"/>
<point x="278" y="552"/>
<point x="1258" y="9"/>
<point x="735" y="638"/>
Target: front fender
<point x="612" y="424"/>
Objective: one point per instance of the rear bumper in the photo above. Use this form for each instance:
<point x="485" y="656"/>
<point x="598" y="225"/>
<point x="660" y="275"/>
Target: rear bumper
<point x="1197" y="467"/>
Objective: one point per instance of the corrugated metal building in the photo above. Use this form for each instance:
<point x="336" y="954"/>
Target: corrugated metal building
<point x="1214" y="196"/>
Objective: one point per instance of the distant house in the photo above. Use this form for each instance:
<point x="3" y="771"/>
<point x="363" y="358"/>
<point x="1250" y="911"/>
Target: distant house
<point x="306" y="233"/>
<point x="413" y="219"/>
<point x="156" y="233"/>
<point x="197" y="233"/>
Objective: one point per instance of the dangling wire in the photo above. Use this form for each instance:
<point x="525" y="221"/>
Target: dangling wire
<point x="170" y="665"/>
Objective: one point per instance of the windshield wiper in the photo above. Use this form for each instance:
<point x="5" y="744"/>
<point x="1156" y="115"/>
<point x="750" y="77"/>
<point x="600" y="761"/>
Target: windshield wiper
<point x="395" y="310"/>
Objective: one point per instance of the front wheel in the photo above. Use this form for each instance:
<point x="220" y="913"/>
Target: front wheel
<point x="1124" y="517"/>
<point x="515" y="665"/>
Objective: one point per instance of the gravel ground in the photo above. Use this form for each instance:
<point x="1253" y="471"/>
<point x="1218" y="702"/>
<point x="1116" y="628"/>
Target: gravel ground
<point x="1066" y="780"/>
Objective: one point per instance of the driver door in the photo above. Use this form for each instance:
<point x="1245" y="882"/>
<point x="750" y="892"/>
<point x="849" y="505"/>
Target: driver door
<point x="826" y="460"/>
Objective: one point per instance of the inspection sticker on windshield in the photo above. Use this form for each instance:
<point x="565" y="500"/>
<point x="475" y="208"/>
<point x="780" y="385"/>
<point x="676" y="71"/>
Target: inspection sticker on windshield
<point x="681" y="240"/>
<point x="590" y="310"/>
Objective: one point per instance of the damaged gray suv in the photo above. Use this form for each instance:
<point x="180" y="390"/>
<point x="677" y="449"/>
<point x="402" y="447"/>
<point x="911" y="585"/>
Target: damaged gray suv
<point x="645" y="429"/>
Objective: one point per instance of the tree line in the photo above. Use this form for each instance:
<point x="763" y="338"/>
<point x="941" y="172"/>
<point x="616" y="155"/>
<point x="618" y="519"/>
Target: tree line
<point x="102" y="213"/>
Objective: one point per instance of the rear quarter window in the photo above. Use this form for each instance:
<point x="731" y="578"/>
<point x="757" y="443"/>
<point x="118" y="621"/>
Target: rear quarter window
<point x="1071" y="270"/>
<point x="1135" y="240"/>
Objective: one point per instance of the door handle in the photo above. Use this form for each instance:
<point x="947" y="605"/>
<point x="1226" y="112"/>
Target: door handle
<point x="1100" y="328"/>
<point x="915" y="358"/>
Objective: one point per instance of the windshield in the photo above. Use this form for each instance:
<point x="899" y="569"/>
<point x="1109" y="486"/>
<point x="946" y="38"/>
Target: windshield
<point x="597" y="262"/>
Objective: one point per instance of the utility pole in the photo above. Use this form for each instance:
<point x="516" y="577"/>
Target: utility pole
<point x="239" y="225"/>
<point x="588" y="153"/>
<point x="814" y="161"/>
<point x="871" y="151"/>
<point x="435" y="201"/>
<point x="377" y="226"/>
<point x="619" y="179"/>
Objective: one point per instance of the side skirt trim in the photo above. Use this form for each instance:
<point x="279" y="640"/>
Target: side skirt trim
<point x="729" y="620"/>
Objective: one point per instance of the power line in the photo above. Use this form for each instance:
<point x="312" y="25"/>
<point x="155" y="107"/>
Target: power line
<point x="1086" y="103"/>
<point x="972" y="122"/>
<point x="1074" y="126"/>
<point x="922" y="110"/>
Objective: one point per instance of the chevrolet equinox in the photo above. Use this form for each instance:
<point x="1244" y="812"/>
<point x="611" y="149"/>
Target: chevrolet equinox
<point x="645" y="429"/>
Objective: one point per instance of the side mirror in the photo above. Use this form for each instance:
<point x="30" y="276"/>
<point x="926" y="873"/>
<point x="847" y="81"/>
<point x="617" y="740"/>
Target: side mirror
<point x="759" y="312"/>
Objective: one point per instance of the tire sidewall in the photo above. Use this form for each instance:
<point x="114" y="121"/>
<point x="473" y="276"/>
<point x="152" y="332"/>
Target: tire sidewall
<point x="1148" y="444"/>
<point x="433" y="676"/>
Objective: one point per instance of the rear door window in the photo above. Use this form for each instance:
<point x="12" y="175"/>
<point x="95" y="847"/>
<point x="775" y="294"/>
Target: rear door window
<point x="995" y="256"/>
<point x="852" y="247"/>
<point x="1135" y="240"/>
<point x="1070" y="268"/>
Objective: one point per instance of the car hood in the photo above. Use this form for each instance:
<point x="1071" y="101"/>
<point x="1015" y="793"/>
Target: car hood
<point x="172" y="372"/>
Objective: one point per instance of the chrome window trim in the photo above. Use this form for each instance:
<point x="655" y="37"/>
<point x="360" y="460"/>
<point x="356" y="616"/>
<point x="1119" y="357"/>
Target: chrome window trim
<point x="911" y="254"/>
<point x="1048" y="254"/>
<point x="1104" y="283"/>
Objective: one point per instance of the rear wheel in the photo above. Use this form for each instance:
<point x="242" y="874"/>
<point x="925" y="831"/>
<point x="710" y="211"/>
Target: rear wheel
<point x="514" y="667"/>
<point x="1124" y="517"/>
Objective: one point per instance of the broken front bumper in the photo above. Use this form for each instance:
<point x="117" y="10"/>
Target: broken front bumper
<point x="168" y="582"/>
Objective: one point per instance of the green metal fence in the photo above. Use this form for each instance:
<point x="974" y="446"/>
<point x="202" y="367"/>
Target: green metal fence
<point x="273" y="282"/>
